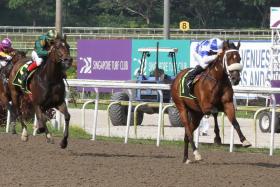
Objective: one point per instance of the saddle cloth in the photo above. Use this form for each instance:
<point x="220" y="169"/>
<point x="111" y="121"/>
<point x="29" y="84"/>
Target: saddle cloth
<point x="18" y="80"/>
<point x="184" y="90"/>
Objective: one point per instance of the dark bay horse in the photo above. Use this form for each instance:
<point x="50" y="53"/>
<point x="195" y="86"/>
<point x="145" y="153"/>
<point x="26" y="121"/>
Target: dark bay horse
<point x="213" y="93"/>
<point x="47" y="89"/>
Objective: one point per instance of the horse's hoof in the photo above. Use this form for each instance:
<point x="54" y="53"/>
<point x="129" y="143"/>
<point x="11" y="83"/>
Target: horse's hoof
<point x="63" y="144"/>
<point x="246" y="143"/>
<point x="14" y="132"/>
<point x="188" y="161"/>
<point x="218" y="141"/>
<point x="24" y="138"/>
<point x="41" y="130"/>
<point x="197" y="155"/>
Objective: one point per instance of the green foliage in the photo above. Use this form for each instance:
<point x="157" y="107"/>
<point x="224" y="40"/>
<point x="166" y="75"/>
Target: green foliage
<point x="139" y="13"/>
<point x="72" y="73"/>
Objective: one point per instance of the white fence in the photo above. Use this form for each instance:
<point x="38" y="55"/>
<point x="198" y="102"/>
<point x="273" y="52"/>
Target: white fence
<point x="159" y="87"/>
<point x="155" y="33"/>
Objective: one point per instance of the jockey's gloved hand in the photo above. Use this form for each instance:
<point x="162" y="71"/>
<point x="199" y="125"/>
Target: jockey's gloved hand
<point x="8" y="58"/>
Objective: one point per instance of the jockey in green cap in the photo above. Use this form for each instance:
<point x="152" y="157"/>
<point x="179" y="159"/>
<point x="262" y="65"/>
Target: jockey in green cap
<point x="41" y="50"/>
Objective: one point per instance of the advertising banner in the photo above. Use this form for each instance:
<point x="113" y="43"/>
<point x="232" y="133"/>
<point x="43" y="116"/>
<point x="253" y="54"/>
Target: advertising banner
<point x="104" y="59"/>
<point x="274" y="17"/>
<point x="255" y="57"/>
<point x="120" y="59"/>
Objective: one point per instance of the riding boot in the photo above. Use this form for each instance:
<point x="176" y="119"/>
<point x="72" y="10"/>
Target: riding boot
<point x="192" y="74"/>
<point x="30" y="68"/>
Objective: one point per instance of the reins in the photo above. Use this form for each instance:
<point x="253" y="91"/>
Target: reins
<point x="234" y="66"/>
<point x="225" y="63"/>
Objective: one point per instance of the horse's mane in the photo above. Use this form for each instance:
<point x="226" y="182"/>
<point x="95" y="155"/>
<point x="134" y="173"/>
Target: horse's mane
<point x="231" y="45"/>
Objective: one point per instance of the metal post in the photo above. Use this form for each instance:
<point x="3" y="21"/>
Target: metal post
<point x="272" y="125"/>
<point x="159" y="115"/>
<point x="8" y="121"/>
<point x="128" y="116"/>
<point x="94" y="128"/>
<point x="166" y="19"/>
<point x="58" y="16"/>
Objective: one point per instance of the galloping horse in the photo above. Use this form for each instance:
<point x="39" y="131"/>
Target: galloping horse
<point x="5" y="96"/>
<point x="47" y="89"/>
<point x="213" y="92"/>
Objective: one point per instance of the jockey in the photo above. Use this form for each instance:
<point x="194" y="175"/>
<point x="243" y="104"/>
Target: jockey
<point x="6" y="51"/>
<point x="205" y="52"/>
<point x="40" y="52"/>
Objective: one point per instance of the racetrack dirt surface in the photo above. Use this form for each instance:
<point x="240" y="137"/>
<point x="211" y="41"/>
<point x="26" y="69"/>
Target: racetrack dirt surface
<point x="99" y="163"/>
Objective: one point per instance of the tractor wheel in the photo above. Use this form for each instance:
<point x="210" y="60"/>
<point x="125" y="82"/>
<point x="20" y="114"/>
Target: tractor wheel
<point x="265" y="119"/>
<point x="174" y="117"/>
<point x="118" y="112"/>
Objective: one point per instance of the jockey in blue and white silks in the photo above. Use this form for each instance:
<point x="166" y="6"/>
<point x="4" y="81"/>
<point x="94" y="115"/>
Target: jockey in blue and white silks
<point x="205" y="52"/>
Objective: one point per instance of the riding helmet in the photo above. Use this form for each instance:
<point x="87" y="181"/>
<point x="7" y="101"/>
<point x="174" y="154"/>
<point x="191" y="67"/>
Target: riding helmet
<point x="51" y="34"/>
<point x="6" y="43"/>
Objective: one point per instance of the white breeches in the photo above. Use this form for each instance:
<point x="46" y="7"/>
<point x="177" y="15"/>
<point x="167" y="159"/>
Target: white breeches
<point x="36" y="58"/>
<point x="3" y="63"/>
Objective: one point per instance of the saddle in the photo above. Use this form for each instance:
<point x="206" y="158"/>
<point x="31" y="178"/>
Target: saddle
<point x="184" y="90"/>
<point x="22" y="77"/>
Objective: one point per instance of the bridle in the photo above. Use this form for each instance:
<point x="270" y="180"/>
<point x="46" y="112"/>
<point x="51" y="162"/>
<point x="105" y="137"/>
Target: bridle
<point x="61" y="53"/>
<point x="233" y="67"/>
<point x="58" y="54"/>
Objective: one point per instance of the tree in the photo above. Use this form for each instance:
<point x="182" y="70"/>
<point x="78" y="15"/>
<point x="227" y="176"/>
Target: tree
<point x="143" y="8"/>
<point x="263" y="8"/>
<point x="36" y="9"/>
<point x="205" y="11"/>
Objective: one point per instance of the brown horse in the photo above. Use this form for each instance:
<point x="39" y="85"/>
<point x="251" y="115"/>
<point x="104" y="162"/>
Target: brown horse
<point x="47" y="88"/>
<point x="5" y="96"/>
<point x="213" y="93"/>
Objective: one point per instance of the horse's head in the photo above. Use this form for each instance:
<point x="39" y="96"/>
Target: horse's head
<point x="17" y="55"/>
<point x="231" y="61"/>
<point x="60" y="52"/>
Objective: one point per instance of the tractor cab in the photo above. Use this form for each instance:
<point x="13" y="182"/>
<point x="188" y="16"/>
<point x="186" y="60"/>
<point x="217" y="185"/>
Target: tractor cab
<point x="157" y="74"/>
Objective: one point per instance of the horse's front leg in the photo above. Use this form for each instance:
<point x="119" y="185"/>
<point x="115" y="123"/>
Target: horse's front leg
<point x="188" y="134"/>
<point x="195" y="121"/>
<point x="184" y="118"/>
<point x="230" y="111"/>
<point x="41" y="124"/>
<point x="14" y="109"/>
<point x="217" y="139"/>
<point x="63" y="109"/>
